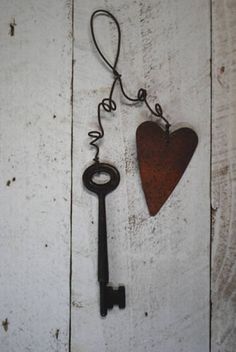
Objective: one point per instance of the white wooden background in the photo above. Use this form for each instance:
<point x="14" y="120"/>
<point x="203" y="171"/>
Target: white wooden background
<point x="179" y="266"/>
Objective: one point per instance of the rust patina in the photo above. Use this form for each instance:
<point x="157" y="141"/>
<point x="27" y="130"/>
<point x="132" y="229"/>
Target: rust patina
<point x="162" y="160"/>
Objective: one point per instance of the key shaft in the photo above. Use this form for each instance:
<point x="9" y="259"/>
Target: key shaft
<point x="103" y="270"/>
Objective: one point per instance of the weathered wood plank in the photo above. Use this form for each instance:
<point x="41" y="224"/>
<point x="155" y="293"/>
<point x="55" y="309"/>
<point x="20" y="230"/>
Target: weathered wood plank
<point x="223" y="177"/>
<point x="35" y="123"/>
<point x="163" y="261"/>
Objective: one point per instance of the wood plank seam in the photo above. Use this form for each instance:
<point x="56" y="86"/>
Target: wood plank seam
<point x="210" y="187"/>
<point x="72" y="144"/>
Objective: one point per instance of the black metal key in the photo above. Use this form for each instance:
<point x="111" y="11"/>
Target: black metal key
<point x="108" y="296"/>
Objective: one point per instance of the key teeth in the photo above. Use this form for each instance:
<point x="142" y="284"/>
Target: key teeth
<point x="121" y="293"/>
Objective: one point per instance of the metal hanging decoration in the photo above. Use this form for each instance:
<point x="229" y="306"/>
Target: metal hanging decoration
<point x="162" y="158"/>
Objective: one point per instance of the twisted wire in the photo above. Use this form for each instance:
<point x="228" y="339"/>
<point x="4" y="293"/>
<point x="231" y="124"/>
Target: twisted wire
<point x="108" y="104"/>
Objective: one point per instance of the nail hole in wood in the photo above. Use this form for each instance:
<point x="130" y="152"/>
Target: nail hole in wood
<point x="12" y="28"/>
<point x="57" y="333"/>
<point x="5" y="324"/>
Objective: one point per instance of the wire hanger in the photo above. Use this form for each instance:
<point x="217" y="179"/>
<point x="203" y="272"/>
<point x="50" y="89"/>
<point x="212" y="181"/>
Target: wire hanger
<point x="108" y="104"/>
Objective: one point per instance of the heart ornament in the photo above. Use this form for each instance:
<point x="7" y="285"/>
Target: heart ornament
<point x="162" y="159"/>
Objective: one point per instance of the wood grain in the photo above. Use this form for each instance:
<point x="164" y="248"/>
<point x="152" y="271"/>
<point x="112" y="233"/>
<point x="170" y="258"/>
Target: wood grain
<point x="163" y="261"/>
<point x="223" y="177"/>
<point x="35" y="139"/>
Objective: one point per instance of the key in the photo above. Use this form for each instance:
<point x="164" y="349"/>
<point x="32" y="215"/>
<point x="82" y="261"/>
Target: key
<point x="108" y="296"/>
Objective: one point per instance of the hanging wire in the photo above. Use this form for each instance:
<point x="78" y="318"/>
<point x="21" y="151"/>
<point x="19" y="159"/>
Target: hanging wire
<point x="108" y="104"/>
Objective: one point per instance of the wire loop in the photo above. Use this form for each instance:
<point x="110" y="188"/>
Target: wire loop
<point x="108" y="104"/>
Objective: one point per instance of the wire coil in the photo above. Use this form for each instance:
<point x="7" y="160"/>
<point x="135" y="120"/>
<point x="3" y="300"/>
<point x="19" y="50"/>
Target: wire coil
<point x="108" y="104"/>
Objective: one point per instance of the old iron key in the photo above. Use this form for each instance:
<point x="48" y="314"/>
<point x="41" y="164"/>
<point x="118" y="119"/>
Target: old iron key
<point x="108" y="296"/>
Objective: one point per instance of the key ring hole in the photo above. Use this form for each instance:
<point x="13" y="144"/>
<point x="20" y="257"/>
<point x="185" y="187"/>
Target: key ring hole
<point x="101" y="178"/>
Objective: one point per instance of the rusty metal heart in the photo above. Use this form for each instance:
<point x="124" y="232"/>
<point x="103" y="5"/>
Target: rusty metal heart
<point x="162" y="160"/>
